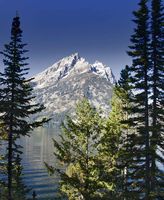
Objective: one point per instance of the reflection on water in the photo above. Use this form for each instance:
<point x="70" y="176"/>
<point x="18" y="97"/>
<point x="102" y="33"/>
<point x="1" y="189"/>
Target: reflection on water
<point x="38" y="149"/>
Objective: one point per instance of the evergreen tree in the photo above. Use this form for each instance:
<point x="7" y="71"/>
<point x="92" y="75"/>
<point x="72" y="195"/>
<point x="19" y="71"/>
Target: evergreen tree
<point x="157" y="97"/>
<point x="78" y="150"/>
<point x="127" y="148"/>
<point x="124" y="81"/>
<point x="15" y="97"/>
<point x="139" y="169"/>
<point x="110" y="147"/>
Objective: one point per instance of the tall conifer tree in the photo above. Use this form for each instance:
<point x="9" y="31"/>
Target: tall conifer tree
<point x="15" y="97"/>
<point x="127" y="150"/>
<point x="157" y="97"/>
<point x="139" y="51"/>
<point x="110" y="148"/>
<point x="79" y="151"/>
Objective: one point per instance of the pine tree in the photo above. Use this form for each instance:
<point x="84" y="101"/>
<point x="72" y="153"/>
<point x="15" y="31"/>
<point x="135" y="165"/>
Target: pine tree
<point x="124" y="81"/>
<point x="157" y="97"/>
<point x="146" y="83"/>
<point x="139" y="51"/>
<point x="78" y="150"/>
<point x="127" y="148"/>
<point x="15" y="97"/>
<point x="110" y="148"/>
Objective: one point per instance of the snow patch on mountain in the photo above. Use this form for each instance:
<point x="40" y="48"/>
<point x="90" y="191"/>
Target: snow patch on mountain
<point x="69" y="66"/>
<point x="104" y="71"/>
<point x="63" y="84"/>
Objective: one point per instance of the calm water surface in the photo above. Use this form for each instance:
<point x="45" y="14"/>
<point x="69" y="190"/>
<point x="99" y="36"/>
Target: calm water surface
<point x="39" y="149"/>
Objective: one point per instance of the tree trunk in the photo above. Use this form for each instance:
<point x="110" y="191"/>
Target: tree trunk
<point x="10" y="164"/>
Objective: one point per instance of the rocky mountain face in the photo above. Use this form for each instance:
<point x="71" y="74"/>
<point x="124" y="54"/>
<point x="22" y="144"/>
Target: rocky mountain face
<point x="60" y="86"/>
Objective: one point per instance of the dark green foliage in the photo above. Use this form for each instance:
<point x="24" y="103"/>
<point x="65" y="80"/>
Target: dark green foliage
<point x="157" y="97"/>
<point x="144" y="146"/>
<point x="16" y="97"/>
<point x="126" y="152"/>
<point x="139" y="174"/>
<point x="124" y="81"/>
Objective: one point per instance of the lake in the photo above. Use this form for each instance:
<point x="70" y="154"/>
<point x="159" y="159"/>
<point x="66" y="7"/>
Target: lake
<point x="39" y="149"/>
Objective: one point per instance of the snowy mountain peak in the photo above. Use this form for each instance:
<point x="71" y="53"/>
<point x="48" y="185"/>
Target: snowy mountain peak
<point x="104" y="71"/>
<point x="60" y="86"/>
<point x="69" y="60"/>
<point x="76" y="55"/>
<point x="70" y="66"/>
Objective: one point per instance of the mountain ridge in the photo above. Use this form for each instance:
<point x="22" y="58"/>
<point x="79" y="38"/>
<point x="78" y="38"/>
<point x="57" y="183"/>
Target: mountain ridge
<point x="74" y="64"/>
<point x="61" y="85"/>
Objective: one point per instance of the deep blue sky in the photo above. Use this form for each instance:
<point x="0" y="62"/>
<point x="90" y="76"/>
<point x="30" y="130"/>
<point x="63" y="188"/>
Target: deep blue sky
<point x="97" y="29"/>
